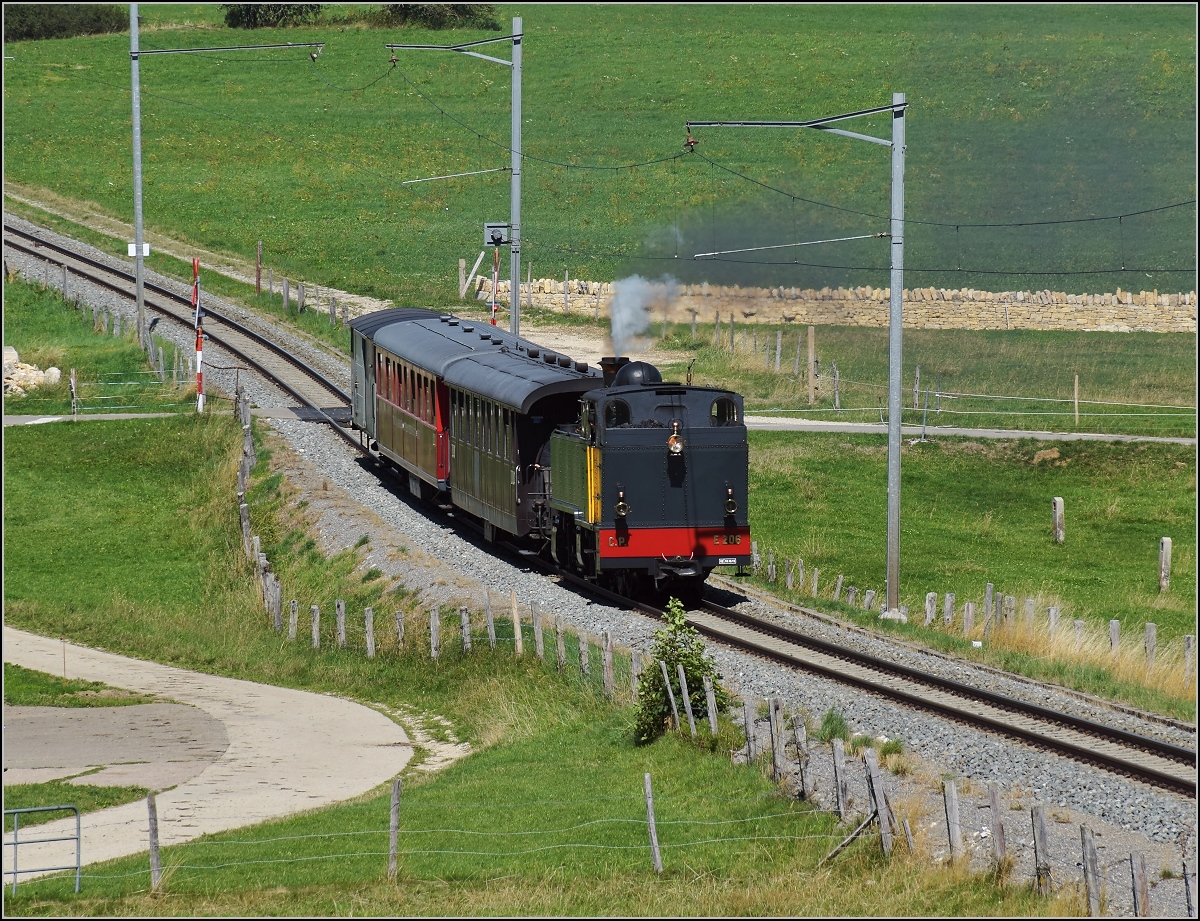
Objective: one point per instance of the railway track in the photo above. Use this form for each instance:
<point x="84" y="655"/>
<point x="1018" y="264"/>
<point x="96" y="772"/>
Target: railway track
<point x="1149" y="760"/>
<point x="318" y="398"/>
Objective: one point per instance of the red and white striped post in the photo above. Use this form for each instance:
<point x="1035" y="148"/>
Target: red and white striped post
<point x="199" y="336"/>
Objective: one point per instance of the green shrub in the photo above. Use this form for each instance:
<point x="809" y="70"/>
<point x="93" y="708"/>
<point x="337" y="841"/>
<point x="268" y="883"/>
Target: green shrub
<point x="440" y="15"/>
<point x="834" y="726"/>
<point x="677" y="643"/>
<point x="268" y="15"/>
<point x="35" y="21"/>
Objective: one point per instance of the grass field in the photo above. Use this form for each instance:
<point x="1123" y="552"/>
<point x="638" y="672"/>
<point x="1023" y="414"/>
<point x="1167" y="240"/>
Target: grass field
<point x="1057" y="113"/>
<point x="973" y="513"/>
<point x="112" y="372"/>
<point x="547" y="817"/>
<point x="1130" y="383"/>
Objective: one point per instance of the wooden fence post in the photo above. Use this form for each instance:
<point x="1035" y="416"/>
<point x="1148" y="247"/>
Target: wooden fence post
<point x="539" y="642"/>
<point x="968" y="617"/>
<point x="840" y="784"/>
<point x="1114" y="636"/>
<point x="1164" y="564"/>
<point x="869" y="599"/>
<point x="670" y="693"/>
<point x="635" y="672"/>
<point x="789" y="577"/>
<point x="293" y="619"/>
<point x="852" y="596"/>
<point x="658" y="867"/>
<point x="1029" y="609"/>
<point x="801" y="733"/>
<point x="155" y="863"/>
<point x="953" y="826"/>
<point x="435" y="617"/>
<point x="609" y="685"/>
<point x="339" y="608"/>
<point x="1189" y="655"/>
<point x="999" y="851"/>
<point x="369" y="629"/>
<point x="837" y="588"/>
<point x="879" y="799"/>
<point x="1052" y="619"/>
<point x="749" y="723"/>
<point x="491" y="622"/>
<point x="1041" y="849"/>
<point x="1141" y="885"/>
<point x="1091" y="871"/>
<point x="687" y="698"/>
<point x="930" y="607"/>
<point x="518" y="639"/>
<point x="394" y="831"/>
<point x="399" y="629"/>
<point x="948" y="610"/>
<point x="1059" y="520"/>
<point x="465" y="617"/>
<point x="560" y="645"/>
<point x="585" y="652"/>
<point x="1151" y="643"/>
<point x="315" y="612"/>
<point x="812" y="365"/>
<point x="816" y="577"/>
<point x="710" y="699"/>
<point x="1079" y="625"/>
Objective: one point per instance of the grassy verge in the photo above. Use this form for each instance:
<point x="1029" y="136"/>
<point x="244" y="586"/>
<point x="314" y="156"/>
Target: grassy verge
<point x="24" y="687"/>
<point x="58" y="792"/>
<point x="976" y="513"/>
<point x="112" y="372"/>
<point x="547" y="817"/>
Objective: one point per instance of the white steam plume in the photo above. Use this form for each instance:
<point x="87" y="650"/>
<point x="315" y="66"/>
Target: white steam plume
<point x="629" y="312"/>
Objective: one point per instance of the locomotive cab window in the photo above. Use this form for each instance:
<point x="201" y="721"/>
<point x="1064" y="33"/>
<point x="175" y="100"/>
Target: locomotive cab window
<point x="616" y="413"/>
<point x="724" y="412"/>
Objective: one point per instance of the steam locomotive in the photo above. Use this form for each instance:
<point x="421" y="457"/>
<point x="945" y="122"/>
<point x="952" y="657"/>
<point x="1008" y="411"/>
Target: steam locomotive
<point x="625" y="479"/>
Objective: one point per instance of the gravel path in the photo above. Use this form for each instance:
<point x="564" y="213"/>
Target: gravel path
<point x="349" y="498"/>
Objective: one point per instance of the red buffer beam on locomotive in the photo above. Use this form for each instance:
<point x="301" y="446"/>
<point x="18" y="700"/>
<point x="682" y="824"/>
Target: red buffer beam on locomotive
<point x="624" y="478"/>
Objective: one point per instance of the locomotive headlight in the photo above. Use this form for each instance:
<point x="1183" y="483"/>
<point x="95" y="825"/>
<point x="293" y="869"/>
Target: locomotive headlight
<point x="622" y="508"/>
<point x="675" y="442"/>
<point x="730" y="503"/>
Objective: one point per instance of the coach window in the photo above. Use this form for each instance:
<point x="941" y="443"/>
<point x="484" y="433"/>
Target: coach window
<point x="724" y="412"/>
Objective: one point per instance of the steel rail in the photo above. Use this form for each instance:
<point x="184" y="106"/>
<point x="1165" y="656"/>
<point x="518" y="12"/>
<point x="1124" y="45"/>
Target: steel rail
<point x="95" y="274"/>
<point x="930" y="692"/>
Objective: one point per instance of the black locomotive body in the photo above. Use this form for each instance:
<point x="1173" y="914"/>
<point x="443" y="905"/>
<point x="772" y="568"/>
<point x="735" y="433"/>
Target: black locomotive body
<point x="623" y="478"/>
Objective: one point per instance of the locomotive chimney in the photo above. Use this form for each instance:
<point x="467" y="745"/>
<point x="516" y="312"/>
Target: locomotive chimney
<point x="610" y="366"/>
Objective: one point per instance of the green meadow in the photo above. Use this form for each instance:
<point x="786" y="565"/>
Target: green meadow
<point x="1054" y="114"/>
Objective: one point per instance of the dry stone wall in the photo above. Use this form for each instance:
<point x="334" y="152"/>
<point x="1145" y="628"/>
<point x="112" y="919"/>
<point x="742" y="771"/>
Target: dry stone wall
<point x="924" y="308"/>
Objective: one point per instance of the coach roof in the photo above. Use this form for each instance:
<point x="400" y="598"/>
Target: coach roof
<point x="478" y="357"/>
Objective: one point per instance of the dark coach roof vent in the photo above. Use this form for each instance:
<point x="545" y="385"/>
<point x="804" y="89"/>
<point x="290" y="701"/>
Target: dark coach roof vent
<point x="534" y="353"/>
<point x="581" y="367"/>
<point x="468" y="329"/>
<point x="564" y="361"/>
<point x="549" y="358"/>
<point x="485" y="336"/>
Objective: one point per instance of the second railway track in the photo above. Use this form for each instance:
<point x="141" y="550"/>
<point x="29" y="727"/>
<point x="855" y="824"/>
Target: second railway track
<point x="317" y="397"/>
